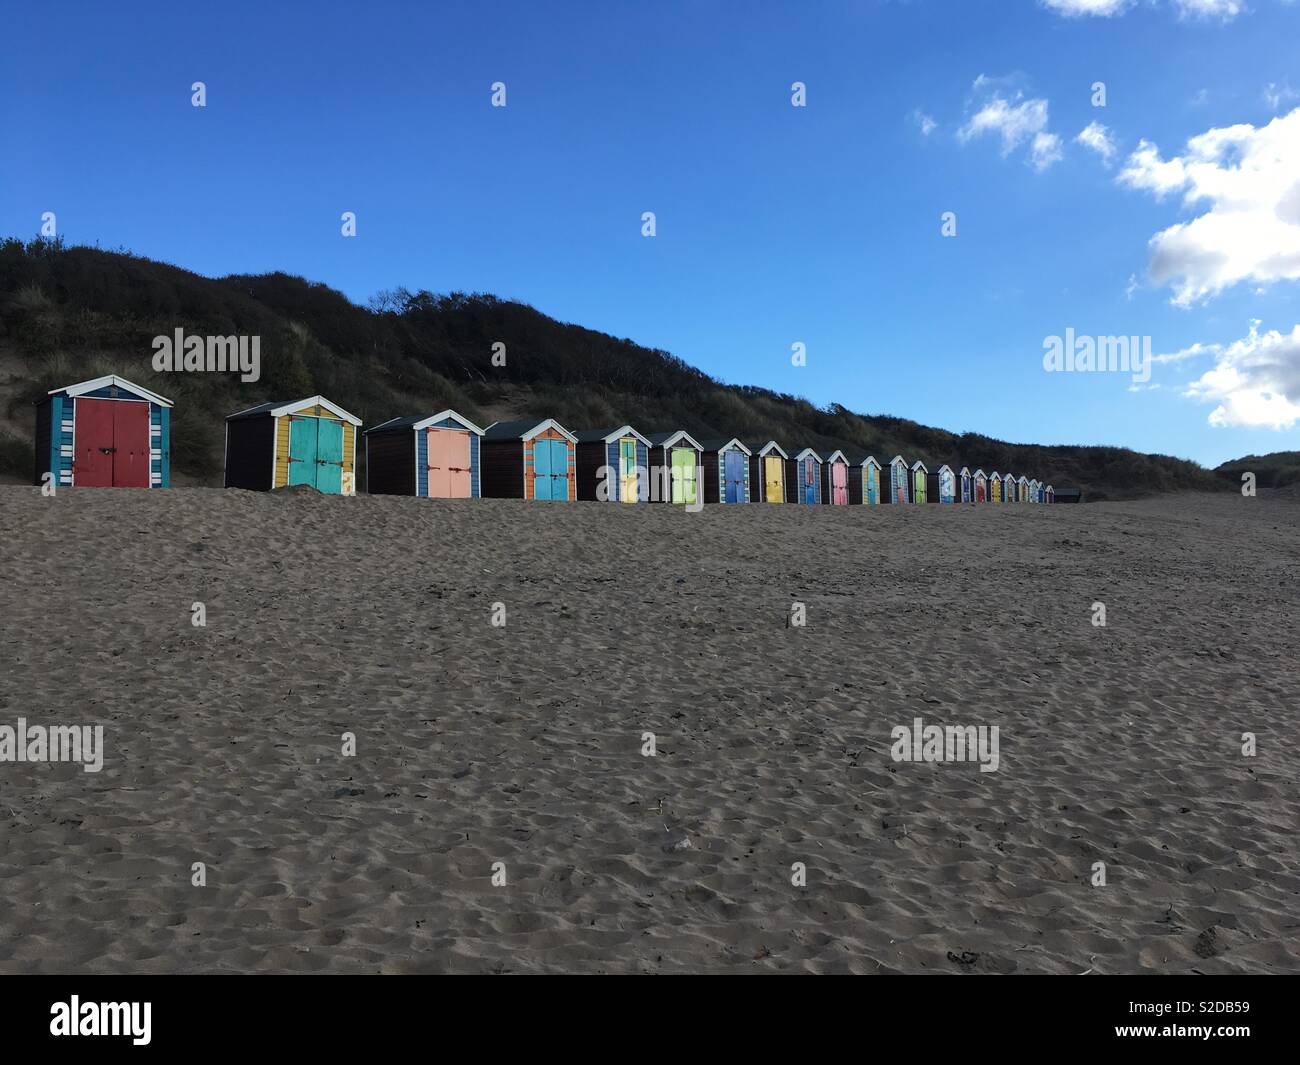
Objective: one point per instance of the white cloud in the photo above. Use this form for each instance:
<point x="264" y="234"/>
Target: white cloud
<point x="1227" y="10"/>
<point x="1014" y="121"/>
<point x="1276" y="95"/>
<point x="926" y="124"/>
<point x="1249" y="180"/>
<point x="1224" y="10"/>
<point x="1099" y="139"/>
<point x="1045" y="151"/>
<point x="1255" y="381"/>
<point x="1077" y="8"/>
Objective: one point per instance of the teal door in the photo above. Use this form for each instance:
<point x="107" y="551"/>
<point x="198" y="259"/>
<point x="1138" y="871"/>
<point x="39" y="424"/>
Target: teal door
<point x="550" y="466"/>
<point x="302" y="451"/>
<point x="329" y="456"/>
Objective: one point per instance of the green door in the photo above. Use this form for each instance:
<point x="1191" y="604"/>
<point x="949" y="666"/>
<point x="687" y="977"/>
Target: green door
<point x="683" y="475"/>
<point x="302" y="451"/>
<point x="329" y="457"/>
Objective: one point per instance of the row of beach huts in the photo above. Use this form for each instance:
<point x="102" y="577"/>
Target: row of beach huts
<point x="111" y="433"/>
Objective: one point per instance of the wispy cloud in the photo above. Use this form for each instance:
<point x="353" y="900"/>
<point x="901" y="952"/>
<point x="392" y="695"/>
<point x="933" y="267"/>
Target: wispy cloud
<point x="1099" y="139"/>
<point x="1013" y="118"/>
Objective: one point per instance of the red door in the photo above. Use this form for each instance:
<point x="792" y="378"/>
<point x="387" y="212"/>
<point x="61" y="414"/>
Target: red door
<point x="92" y="464"/>
<point x="112" y="449"/>
<point x="130" y="445"/>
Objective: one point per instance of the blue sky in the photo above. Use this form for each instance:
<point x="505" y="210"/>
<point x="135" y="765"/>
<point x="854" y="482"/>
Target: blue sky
<point x="775" y="224"/>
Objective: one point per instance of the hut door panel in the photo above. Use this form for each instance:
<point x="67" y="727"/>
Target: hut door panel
<point x="735" y="471"/>
<point x="550" y="464"/>
<point x="809" y="481"/>
<point x="302" y="451"/>
<point x="775" y="489"/>
<point x="627" y="483"/>
<point x="449" y="471"/>
<point x="329" y="456"/>
<point x="839" y="484"/>
<point x="873" y="486"/>
<point x="457" y="455"/>
<point x="93" y="466"/>
<point x="683" y="474"/>
<point x="130" y="444"/>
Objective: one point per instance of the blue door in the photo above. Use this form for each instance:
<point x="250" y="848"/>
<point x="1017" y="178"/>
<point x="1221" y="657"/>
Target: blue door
<point x="734" y="471"/>
<point x="550" y="469"/>
<point x="810" y="474"/>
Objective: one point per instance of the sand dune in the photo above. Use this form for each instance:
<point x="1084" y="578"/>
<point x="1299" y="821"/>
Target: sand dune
<point x="522" y="745"/>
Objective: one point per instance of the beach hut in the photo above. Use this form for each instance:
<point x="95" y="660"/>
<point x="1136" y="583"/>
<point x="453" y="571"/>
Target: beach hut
<point x="529" y="460"/>
<point x="980" y="482"/>
<point x="726" y="471"/>
<point x="767" y="462"/>
<point x="675" y="459"/>
<point x="872" y="483"/>
<point x="1022" y="490"/>
<point x="995" y="487"/>
<point x="105" y="433"/>
<point x="310" y="441"/>
<point x="1049" y="494"/>
<point x="803" y="477"/>
<point x="835" y="479"/>
<point x="899" y="476"/>
<point x="942" y="485"/>
<point x="435" y="456"/>
<point x="611" y="465"/>
<point x="967" y="488"/>
<point x="1009" y="483"/>
<point x="918" y="483"/>
<point x="1033" y="491"/>
<point x="864" y="481"/>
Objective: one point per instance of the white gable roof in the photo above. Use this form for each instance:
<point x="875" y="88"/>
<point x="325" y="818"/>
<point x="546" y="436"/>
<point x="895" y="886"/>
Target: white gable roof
<point x="443" y="415"/>
<point x="112" y="379"/>
<point x="772" y="445"/>
<point x="837" y="456"/>
<point x="678" y="436"/>
<point x="805" y="453"/>
<point x="314" y="401"/>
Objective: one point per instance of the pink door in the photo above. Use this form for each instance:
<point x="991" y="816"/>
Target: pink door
<point x="448" y="464"/>
<point x="839" y="484"/>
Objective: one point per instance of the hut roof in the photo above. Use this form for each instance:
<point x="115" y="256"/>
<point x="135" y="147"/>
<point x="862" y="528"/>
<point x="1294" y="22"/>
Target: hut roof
<point x="832" y="457"/>
<point x="669" y="439"/>
<point x="806" y="452"/>
<point x="607" y="436"/>
<point x="720" y="443"/>
<point x="919" y="465"/>
<point x="110" y="380"/>
<point x="420" y="421"/>
<point x="279" y="409"/>
<point x="525" y="430"/>
<point x="898" y="459"/>
<point x="762" y="447"/>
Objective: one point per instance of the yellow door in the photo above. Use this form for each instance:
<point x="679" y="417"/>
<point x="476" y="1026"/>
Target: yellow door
<point x="774" y="479"/>
<point x="627" y="487"/>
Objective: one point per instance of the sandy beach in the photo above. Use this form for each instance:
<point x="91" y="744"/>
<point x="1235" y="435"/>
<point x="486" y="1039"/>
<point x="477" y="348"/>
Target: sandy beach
<point x="522" y="744"/>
